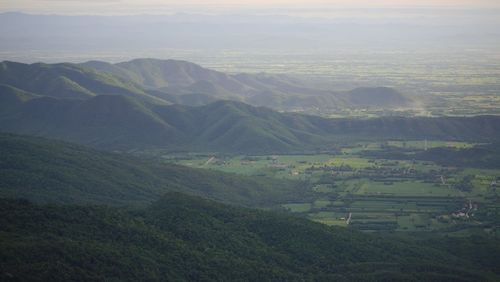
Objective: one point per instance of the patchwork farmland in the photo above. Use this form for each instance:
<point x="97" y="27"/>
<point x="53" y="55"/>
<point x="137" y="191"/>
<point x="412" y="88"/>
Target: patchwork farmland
<point x="351" y="187"/>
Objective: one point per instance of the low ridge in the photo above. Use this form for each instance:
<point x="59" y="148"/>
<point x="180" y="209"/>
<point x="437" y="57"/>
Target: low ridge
<point x="123" y="123"/>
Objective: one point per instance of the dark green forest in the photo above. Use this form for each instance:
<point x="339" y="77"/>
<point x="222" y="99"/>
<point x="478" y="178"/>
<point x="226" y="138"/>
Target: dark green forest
<point x="184" y="238"/>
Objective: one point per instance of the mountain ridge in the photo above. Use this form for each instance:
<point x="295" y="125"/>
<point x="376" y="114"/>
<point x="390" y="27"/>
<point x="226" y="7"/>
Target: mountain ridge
<point x="277" y="91"/>
<point x="177" y="81"/>
<point x="65" y="80"/>
<point x="123" y="123"/>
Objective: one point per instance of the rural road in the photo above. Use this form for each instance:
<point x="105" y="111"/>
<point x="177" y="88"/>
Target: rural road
<point x="349" y="218"/>
<point x="470" y="208"/>
<point x="209" y="161"/>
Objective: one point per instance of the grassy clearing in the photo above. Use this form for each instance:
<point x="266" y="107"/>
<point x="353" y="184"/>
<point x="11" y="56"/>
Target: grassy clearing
<point x="323" y="188"/>
<point x="302" y="207"/>
<point x="353" y="162"/>
<point x="330" y="218"/>
<point x="321" y="203"/>
<point x="405" y="189"/>
<point x="422" y="144"/>
<point x="331" y="221"/>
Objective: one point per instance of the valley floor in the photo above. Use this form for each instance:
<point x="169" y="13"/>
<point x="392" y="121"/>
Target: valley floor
<point x="351" y="187"/>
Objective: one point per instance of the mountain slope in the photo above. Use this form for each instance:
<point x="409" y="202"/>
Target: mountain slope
<point x="103" y="121"/>
<point x="67" y="81"/>
<point x="11" y="97"/>
<point x="55" y="172"/>
<point x="182" y="77"/>
<point x="117" y="122"/>
<point x="173" y="76"/>
<point x="276" y="91"/>
<point x="184" y="239"/>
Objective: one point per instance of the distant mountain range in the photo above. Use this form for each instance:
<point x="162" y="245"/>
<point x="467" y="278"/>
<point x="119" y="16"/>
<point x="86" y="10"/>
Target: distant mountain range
<point x="181" y="82"/>
<point x="119" y="122"/>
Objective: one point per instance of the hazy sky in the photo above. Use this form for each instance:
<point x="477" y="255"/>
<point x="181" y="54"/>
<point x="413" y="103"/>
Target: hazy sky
<point x="172" y="6"/>
<point x="193" y="29"/>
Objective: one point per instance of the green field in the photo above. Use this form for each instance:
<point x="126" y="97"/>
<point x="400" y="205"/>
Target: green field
<point x="405" y="188"/>
<point x="378" y="193"/>
<point x="430" y="144"/>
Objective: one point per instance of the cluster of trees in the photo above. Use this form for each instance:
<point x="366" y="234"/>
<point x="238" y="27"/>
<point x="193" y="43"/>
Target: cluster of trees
<point x="480" y="156"/>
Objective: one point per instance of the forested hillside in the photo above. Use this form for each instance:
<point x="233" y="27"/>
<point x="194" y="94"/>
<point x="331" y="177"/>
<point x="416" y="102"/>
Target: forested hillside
<point x="47" y="171"/>
<point x="122" y="123"/>
<point x="186" y="238"/>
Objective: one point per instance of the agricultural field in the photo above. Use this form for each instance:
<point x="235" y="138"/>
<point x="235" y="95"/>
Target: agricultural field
<point x="376" y="194"/>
